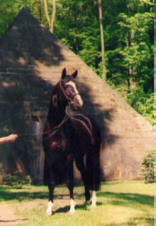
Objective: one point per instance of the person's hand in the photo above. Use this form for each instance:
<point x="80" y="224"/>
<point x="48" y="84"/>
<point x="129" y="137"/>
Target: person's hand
<point x="12" y="137"/>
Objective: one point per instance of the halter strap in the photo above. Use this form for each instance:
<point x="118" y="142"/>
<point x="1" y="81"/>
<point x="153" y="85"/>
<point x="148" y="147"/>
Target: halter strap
<point x="64" y="93"/>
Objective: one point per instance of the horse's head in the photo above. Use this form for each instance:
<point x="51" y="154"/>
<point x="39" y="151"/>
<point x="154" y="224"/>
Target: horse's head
<point x="70" y="91"/>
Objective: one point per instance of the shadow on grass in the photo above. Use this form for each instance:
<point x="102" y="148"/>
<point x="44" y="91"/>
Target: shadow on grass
<point x="22" y="196"/>
<point x="66" y="208"/>
<point x="25" y="196"/>
<point x="120" y="199"/>
<point x="125" y="199"/>
<point x="78" y="207"/>
<point x="7" y="194"/>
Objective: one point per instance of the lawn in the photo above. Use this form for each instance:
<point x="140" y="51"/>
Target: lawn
<point x="119" y="203"/>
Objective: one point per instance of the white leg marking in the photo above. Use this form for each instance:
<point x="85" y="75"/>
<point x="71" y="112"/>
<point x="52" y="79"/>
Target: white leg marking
<point x="49" y="210"/>
<point x="94" y="199"/>
<point x="72" y="206"/>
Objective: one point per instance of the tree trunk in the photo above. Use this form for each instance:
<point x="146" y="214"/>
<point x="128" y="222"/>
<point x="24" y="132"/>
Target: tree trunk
<point x="53" y="17"/>
<point x="102" y="41"/>
<point x="46" y="12"/>
<point x="131" y="70"/>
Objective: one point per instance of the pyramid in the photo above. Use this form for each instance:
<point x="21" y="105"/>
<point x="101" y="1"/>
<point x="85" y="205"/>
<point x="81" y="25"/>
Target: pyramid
<point x="31" y="61"/>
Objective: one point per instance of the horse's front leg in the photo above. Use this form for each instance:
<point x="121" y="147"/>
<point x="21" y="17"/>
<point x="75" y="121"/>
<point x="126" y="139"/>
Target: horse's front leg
<point x="51" y="186"/>
<point x="72" y="201"/>
<point x="70" y="184"/>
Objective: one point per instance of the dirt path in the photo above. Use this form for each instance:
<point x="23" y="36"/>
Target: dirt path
<point x="7" y="216"/>
<point x="10" y="212"/>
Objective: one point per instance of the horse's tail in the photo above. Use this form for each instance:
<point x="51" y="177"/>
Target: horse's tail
<point x="93" y="164"/>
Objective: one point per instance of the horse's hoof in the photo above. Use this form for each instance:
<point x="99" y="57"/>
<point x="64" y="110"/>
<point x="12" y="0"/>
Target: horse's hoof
<point x="48" y="213"/>
<point x="93" y="206"/>
<point x="71" y="212"/>
<point x="88" y="202"/>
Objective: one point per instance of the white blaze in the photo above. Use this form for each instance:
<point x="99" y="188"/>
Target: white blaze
<point x="76" y="91"/>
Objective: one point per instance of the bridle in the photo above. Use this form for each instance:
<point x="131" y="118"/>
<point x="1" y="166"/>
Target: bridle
<point x="69" y="99"/>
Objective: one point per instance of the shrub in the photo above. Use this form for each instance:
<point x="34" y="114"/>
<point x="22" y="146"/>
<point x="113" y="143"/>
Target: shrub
<point x="16" y="179"/>
<point x="147" y="170"/>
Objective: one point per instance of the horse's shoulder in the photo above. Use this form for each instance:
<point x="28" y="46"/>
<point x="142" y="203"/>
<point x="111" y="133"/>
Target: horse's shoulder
<point x="85" y="121"/>
<point x="82" y="121"/>
<point x="82" y="118"/>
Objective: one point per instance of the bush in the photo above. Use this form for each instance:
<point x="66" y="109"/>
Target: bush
<point x="147" y="170"/>
<point x="16" y="179"/>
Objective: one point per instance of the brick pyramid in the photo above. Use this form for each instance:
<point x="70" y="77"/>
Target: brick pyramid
<point x="31" y="61"/>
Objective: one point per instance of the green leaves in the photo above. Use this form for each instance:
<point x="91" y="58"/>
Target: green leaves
<point x="147" y="170"/>
<point x="143" y="103"/>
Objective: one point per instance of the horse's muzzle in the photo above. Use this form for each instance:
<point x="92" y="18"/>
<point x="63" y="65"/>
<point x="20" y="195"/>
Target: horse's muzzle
<point x="77" y="106"/>
<point x="77" y="102"/>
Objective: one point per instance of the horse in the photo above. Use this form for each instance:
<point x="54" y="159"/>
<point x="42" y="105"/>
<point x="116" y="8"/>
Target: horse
<point x="67" y="138"/>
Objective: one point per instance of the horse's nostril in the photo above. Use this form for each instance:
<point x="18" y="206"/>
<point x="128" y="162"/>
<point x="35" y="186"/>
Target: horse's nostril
<point x="79" y="105"/>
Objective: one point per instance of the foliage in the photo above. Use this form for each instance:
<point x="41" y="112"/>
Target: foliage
<point x="128" y="34"/>
<point x="16" y="179"/>
<point x="142" y="103"/>
<point x="147" y="170"/>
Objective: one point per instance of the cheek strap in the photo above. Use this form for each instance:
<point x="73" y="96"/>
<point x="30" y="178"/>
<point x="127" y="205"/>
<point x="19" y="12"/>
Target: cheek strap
<point x="69" y="99"/>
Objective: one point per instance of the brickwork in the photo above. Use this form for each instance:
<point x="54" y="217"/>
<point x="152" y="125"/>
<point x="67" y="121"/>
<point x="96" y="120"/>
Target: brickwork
<point x="31" y="61"/>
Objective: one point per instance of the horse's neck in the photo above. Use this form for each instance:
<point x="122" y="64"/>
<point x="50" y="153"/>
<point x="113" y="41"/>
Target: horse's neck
<point x="56" y="112"/>
<point x="56" y="115"/>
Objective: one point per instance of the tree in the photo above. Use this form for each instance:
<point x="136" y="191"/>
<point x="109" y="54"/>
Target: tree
<point x="137" y="50"/>
<point x="102" y="40"/>
<point x="52" y="19"/>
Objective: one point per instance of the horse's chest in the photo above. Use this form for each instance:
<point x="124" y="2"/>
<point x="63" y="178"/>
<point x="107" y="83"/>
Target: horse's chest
<point x="58" y="143"/>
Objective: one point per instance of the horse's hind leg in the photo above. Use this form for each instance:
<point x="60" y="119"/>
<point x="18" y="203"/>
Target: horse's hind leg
<point x="93" y="199"/>
<point x="85" y="178"/>
<point x="95" y="175"/>
<point x="51" y="186"/>
<point x="70" y="184"/>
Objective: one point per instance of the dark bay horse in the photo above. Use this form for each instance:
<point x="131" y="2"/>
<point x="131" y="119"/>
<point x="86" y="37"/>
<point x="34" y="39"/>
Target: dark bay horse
<point x="70" y="138"/>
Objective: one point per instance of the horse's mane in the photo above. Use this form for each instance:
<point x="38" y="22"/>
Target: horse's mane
<point x="56" y="88"/>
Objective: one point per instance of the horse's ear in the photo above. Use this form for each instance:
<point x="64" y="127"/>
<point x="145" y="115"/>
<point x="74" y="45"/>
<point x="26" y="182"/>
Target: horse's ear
<point x="54" y="100"/>
<point x="63" y="73"/>
<point x="75" y="74"/>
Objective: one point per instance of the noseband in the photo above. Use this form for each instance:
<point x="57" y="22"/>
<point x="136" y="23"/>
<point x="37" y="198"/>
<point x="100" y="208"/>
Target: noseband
<point x="69" y="99"/>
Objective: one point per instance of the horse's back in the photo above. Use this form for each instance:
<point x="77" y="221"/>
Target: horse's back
<point x="86" y="128"/>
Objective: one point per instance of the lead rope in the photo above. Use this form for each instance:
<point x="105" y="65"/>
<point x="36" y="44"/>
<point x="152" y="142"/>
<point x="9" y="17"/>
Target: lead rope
<point x="53" y="131"/>
<point x="56" y="128"/>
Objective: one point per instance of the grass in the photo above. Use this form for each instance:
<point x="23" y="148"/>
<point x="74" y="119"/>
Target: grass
<point x="119" y="203"/>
